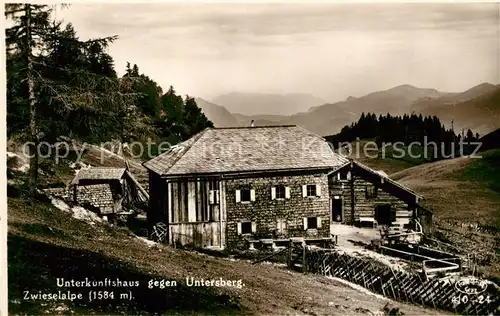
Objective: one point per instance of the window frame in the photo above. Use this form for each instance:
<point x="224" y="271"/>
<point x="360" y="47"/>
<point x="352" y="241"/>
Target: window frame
<point x="245" y="224"/>
<point x="311" y="188"/>
<point x="309" y="221"/>
<point x="318" y="225"/>
<point x="371" y="191"/>
<point x="280" y="192"/>
<point x="281" y="226"/>
<point x="242" y="200"/>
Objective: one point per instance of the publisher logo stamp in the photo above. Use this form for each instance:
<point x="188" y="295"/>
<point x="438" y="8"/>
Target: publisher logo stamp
<point x="471" y="285"/>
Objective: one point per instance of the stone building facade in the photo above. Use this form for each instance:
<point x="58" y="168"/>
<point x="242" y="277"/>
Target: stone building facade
<point x="227" y="187"/>
<point x="272" y="215"/>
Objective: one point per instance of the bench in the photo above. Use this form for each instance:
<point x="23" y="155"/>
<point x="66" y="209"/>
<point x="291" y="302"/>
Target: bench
<point x="251" y="244"/>
<point x="266" y="243"/>
<point x="368" y="219"/>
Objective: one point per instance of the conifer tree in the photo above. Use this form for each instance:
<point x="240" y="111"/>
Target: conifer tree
<point x="56" y="78"/>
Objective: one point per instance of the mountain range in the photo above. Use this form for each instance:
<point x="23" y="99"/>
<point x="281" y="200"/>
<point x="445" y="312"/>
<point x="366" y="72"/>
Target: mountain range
<point x="477" y="108"/>
<point x="260" y="103"/>
<point x="218" y="114"/>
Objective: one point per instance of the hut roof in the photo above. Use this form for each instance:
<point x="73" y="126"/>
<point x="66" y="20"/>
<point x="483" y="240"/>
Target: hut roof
<point x="99" y="173"/>
<point x="247" y="149"/>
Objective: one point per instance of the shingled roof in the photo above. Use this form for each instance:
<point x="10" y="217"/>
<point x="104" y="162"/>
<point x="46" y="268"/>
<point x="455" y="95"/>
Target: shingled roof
<point x="96" y="173"/>
<point x="246" y="149"/>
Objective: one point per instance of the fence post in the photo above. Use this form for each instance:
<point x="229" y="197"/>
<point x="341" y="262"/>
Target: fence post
<point x="289" y="258"/>
<point x="304" y="259"/>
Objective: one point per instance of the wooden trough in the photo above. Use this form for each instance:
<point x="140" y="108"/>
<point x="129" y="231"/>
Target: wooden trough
<point x="433" y="261"/>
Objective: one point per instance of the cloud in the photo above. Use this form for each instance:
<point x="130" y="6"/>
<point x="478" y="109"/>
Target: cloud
<point x="272" y="19"/>
<point x="210" y="48"/>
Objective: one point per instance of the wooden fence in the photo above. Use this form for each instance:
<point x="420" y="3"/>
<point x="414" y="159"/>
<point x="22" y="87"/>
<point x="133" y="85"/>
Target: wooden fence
<point x="402" y="285"/>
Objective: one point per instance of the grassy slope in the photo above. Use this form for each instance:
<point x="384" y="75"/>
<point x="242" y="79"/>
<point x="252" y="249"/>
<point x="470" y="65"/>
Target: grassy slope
<point x="485" y="170"/>
<point x="385" y="159"/>
<point x="45" y="243"/>
<point x="461" y="192"/>
<point x="462" y="189"/>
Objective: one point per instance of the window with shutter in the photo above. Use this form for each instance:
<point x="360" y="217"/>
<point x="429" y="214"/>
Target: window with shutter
<point x="280" y="192"/>
<point x="245" y="195"/>
<point x="312" y="223"/>
<point x="246" y="227"/>
<point x="344" y="175"/>
<point x="281" y="225"/>
<point x="311" y="190"/>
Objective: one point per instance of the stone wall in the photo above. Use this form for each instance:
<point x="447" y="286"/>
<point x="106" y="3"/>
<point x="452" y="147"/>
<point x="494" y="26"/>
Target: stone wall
<point x="99" y="197"/>
<point x="265" y="212"/>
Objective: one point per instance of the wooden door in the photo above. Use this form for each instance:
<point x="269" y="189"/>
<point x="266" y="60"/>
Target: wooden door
<point x="337" y="209"/>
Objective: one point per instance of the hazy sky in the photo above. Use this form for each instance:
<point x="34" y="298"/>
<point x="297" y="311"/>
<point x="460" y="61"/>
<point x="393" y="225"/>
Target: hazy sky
<point x="329" y="50"/>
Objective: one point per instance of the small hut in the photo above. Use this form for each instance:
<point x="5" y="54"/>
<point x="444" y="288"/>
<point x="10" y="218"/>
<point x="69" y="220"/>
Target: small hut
<point x="107" y="190"/>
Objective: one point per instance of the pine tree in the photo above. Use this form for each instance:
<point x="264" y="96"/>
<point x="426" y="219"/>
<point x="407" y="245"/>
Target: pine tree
<point x="194" y="118"/>
<point x="25" y="46"/>
<point x="128" y="70"/>
<point x="469" y="136"/>
<point x="135" y="71"/>
<point x="149" y="92"/>
<point x="55" y="74"/>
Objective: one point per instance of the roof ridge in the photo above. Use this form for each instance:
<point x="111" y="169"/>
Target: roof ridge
<point x="247" y="148"/>
<point x="261" y="126"/>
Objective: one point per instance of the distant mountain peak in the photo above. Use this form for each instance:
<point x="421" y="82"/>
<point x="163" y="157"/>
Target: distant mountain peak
<point x="485" y="86"/>
<point x="218" y="114"/>
<point x="404" y="87"/>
